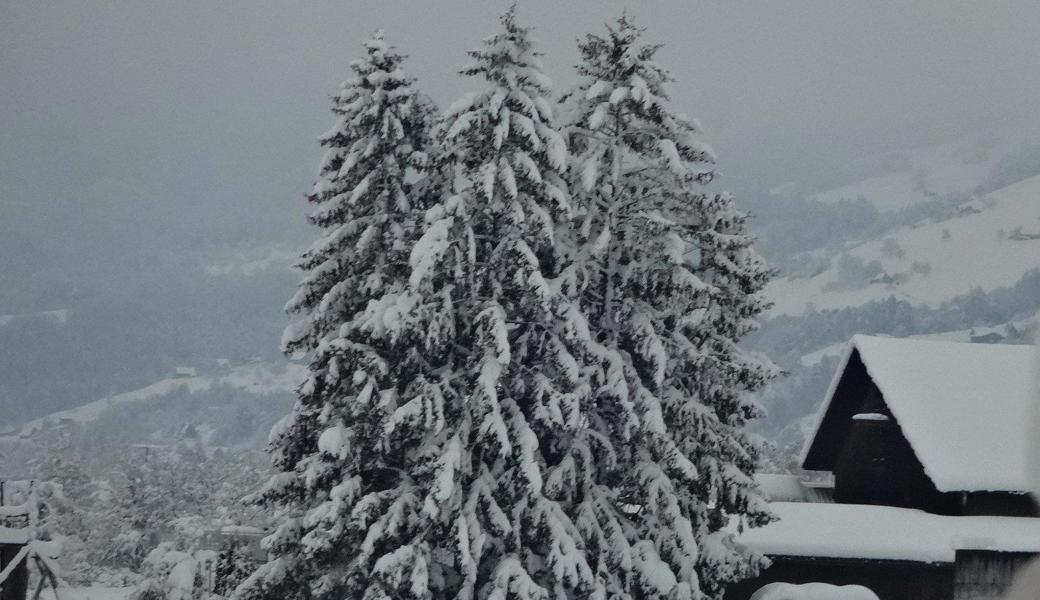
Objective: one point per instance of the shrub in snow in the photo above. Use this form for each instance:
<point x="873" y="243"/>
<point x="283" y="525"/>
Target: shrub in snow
<point x="890" y="247"/>
<point x="523" y="384"/>
<point x="234" y="563"/>
<point x="853" y="273"/>
<point x="172" y="574"/>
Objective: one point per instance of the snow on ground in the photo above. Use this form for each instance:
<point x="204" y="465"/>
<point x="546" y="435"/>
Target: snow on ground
<point x="960" y="254"/>
<point x="254" y="261"/>
<point x="886" y="533"/>
<point x="255" y="378"/>
<point x="813" y="591"/>
<point x="959" y="335"/>
<point x="88" y="593"/>
<point x="966" y="409"/>
<point x="831" y="351"/>
<point x="58" y="317"/>
<point x="927" y="173"/>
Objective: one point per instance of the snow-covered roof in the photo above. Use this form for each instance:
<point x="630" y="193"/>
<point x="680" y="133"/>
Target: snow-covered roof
<point x="967" y="410"/>
<point x="14" y="535"/>
<point x="781" y="488"/>
<point x="886" y="533"/>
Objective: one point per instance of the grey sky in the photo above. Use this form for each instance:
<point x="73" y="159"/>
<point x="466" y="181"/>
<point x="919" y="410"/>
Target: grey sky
<point x="198" y="105"/>
<point x="196" y="121"/>
<point x="142" y="142"/>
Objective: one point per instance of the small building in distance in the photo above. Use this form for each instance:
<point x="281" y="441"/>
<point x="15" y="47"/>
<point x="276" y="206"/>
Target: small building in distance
<point x="924" y="448"/>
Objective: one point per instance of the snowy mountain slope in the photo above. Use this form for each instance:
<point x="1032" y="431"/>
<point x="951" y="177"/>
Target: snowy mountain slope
<point x="55" y="317"/>
<point x="251" y="379"/>
<point x="925" y="174"/>
<point x="255" y="260"/>
<point x="933" y="262"/>
<point x="1017" y="331"/>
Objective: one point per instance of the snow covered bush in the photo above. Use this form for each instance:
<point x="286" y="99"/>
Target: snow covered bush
<point x="524" y="380"/>
<point x="173" y="574"/>
<point x="115" y="506"/>
<point x="234" y="564"/>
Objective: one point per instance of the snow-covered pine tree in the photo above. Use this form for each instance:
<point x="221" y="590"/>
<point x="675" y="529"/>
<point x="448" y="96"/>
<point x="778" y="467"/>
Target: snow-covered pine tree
<point x="673" y="285"/>
<point x="336" y="479"/>
<point x="364" y="197"/>
<point x="412" y="466"/>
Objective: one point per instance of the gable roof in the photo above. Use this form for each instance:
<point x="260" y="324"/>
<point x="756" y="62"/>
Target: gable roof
<point x="967" y="410"/>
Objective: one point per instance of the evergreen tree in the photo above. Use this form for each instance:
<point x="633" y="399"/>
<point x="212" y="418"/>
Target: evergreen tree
<point x="673" y="286"/>
<point x="363" y="197"/>
<point x="412" y="464"/>
<point x="520" y="397"/>
<point x="234" y="563"/>
<point x="337" y="480"/>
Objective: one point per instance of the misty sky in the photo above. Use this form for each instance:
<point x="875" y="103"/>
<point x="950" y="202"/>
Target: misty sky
<point x="193" y="112"/>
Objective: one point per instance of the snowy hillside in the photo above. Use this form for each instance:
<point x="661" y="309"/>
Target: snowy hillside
<point x="924" y="174"/>
<point x="256" y="379"/>
<point x="1010" y="332"/>
<point x="53" y="317"/>
<point x="991" y="243"/>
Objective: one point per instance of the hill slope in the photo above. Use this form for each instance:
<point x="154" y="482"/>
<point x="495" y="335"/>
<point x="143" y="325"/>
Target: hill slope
<point x="991" y="243"/>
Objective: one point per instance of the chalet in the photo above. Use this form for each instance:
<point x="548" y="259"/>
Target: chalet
<point x="922" y="457"/>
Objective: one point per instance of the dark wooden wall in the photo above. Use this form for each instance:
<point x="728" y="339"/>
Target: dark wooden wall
<point x="876" y="465"/>
<point x="982" y="575"/>
<point x="17" y="583"/>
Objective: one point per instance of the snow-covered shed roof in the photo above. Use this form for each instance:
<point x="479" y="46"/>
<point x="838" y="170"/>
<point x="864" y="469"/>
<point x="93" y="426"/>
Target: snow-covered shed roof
<point x="14" y="535"/>
<point x="859" y="531"/>
<point x="780" y="487"/>
<point x="967" y="410"/>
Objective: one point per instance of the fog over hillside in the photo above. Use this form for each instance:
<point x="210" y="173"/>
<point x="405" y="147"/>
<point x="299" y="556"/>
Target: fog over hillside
<point x="154" y="156"/>
<point x="686" y="299"/>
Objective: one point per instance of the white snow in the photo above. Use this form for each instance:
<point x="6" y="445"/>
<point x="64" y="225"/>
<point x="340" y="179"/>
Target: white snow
<point x="869" y="417"/>
<point x="927" y="173"/>
<point x="247" y="262"/>
<point x="831" y="351"/>
<point x="14" y="535"/>
<point x="975" y="254"/>
<point x="780" y="488"/>
<point x="966" y="409"/>
<point x="57" y="317"/>
<point x="813" y="591"/>
<point x="837" y="349"/>
<point x="254" y="378"/>
<point x="88" y="593"/>
<point x="886" y="533"/>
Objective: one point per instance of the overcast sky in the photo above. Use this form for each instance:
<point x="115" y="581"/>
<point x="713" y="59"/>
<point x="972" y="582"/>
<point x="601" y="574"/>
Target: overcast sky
<point x="199" y="105"/>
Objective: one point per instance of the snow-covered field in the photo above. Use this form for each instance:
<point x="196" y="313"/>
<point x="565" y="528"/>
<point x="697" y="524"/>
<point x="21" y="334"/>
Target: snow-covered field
<point x="88" y="593"/>
<point x="57" y="317"/>
<point x="959" y="335"/>
<point x="952" y="257"/>
<point x="253" y="378"/>
<point x="927" y="173"/>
